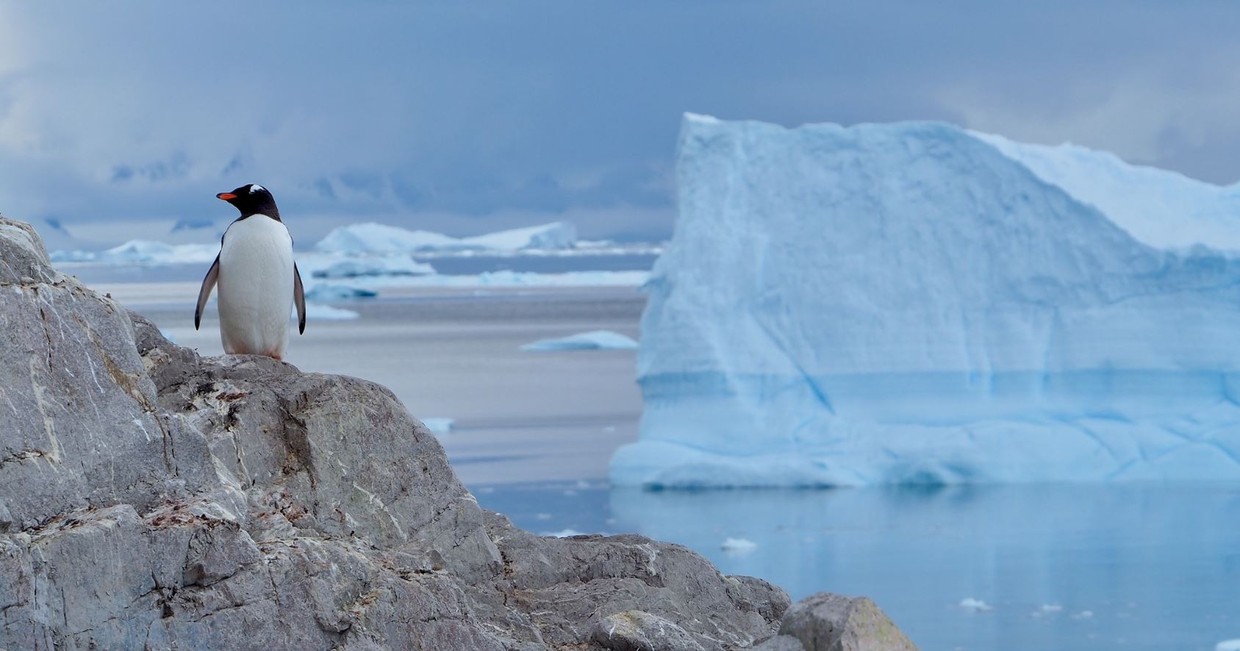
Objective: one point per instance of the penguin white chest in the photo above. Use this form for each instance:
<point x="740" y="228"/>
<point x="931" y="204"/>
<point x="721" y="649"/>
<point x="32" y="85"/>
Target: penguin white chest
<point x="255" y="287"/>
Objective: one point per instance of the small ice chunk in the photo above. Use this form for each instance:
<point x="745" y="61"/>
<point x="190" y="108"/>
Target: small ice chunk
<point x="1084" y="614"/>
<point x="439" y="425"/>
<point x="1047" y="609"/>
<point x="975" y="605"/>
<point x="330" y="292"/>
<point x="738" y="546"/>
<point x="320" y="312"/>
<point x="593" y="340"/>
<point x="564" y="533"/>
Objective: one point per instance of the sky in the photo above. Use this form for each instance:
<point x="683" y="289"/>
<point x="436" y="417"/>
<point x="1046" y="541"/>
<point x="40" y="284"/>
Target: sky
<point x="466" y="117"/>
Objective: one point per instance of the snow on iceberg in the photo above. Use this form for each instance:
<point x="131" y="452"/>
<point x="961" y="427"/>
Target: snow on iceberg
<point x="1160" y="208"/>
<point x="371" y="238"/>
<point x="556" y="235"/>
<point x="386" y="265"/>
<point x="593" y="340"/>
<point x="907" y="304"/>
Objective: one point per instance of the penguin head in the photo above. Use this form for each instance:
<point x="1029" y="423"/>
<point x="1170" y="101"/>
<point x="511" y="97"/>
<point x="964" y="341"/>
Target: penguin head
<point x="252" y="199"/>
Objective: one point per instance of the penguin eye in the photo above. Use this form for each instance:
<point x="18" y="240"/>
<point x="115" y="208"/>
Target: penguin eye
<point x="254" y="187"/>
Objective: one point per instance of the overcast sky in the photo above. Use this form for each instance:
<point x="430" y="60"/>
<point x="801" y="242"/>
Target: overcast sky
<point x="466" y="117"/>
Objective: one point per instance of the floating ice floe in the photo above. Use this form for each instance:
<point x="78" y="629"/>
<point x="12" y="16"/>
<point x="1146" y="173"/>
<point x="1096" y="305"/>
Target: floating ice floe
<point x="975" y="605"/>
<point x="593" y="340"/>
<point x="439" y="425"/>
<point x="909" y="304"/>
<point x="333" y="292"/>
<point x="1228" y="645"/>
<point x="1047" y="609"/>
<point x="320" y="312"/>
<point x="738" y="546"/>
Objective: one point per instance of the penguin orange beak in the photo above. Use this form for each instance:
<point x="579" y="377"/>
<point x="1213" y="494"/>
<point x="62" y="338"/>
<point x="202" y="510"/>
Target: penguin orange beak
<point x="226" y="196"/>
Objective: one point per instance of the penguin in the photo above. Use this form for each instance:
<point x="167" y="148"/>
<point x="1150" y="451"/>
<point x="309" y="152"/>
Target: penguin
<point x="257" y="277"/>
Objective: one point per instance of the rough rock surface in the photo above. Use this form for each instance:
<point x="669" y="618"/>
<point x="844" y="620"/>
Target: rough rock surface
<point x="828" y="622"/>
<point x="150" y="497"/>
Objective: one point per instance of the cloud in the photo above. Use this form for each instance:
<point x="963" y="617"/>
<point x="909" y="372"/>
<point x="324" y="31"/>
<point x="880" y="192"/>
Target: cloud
<point x="139" y="109"/>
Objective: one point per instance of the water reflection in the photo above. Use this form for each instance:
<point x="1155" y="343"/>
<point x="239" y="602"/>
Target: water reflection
<point x="1059" y="566"/>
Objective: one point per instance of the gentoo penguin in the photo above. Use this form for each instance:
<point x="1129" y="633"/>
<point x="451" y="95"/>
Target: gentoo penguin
<point x="258" y="279"/>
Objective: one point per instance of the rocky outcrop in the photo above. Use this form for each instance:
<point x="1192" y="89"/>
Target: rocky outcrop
<point x="150" y="497"/>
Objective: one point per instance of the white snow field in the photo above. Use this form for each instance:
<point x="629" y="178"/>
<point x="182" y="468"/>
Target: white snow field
<point x="908" y="303"/>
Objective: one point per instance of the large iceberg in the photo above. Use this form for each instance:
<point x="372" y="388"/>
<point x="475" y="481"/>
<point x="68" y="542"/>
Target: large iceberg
<point x="914" y="303"/>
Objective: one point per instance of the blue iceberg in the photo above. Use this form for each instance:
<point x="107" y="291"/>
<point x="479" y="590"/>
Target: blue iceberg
<point x="907" y="303"/>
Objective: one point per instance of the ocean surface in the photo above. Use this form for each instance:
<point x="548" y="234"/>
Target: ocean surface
<point x="1036" y="568"/>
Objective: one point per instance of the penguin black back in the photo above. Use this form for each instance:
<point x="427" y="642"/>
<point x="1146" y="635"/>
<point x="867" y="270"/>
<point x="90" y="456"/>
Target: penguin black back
<point x="252" y="199"/>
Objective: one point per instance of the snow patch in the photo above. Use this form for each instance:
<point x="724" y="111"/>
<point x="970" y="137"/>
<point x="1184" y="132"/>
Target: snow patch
<point x="563" y="533"/>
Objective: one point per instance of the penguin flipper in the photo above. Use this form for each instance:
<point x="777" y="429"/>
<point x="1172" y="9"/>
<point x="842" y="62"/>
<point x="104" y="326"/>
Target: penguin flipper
<point x="204" y="293"/>
<point x="299" y="297"/>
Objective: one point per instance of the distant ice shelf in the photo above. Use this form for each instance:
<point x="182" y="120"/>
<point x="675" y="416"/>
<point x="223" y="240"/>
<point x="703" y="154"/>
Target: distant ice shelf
<point x="143" y="252"/>
<point x="369" y="238"/>
<point x="915" y="303"/>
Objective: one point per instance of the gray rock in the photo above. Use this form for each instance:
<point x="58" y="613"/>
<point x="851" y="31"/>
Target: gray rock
<point x="780" y="643"/>
<point x="150" y="497"/>
<point x="636" y="630"/>
<point x="828" y="622"/>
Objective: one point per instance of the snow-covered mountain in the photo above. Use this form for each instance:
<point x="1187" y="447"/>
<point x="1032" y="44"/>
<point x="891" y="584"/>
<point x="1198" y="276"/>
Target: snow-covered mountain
<point x="917" y="303"/>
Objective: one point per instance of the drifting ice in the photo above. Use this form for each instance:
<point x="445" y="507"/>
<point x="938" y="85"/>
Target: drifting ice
<point x="910" y="304"/>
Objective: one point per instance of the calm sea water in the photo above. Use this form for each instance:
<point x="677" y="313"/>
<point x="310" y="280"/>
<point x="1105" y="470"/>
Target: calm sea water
<point x="1068" y="568"/>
